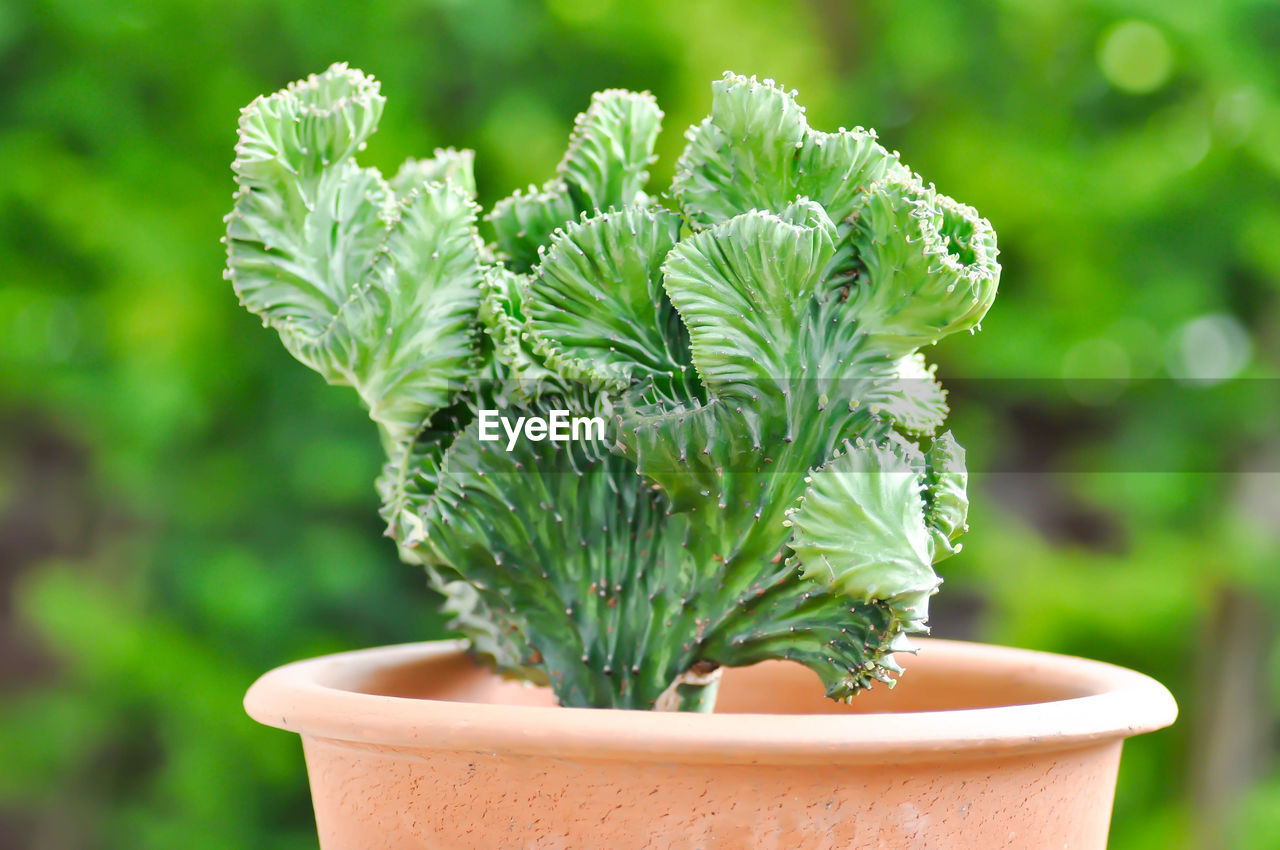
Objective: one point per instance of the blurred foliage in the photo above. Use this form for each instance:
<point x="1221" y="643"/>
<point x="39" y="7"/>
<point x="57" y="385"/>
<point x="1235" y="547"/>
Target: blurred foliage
<point x="182" y="507"/>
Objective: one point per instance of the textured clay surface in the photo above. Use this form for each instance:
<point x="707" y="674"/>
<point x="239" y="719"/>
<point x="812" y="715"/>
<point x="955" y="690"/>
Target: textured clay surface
<point x="380" y="799"/>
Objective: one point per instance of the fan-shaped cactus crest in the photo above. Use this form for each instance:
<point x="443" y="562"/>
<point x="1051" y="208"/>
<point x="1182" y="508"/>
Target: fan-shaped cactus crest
<point x="771" y="482"/>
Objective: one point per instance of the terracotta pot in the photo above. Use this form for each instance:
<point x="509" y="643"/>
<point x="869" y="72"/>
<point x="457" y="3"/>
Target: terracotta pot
<point x="978" y="746"/>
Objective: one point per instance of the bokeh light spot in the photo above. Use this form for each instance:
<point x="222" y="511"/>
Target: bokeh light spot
<point x="1209" y="349"/>
<point x="1135" y="57"/>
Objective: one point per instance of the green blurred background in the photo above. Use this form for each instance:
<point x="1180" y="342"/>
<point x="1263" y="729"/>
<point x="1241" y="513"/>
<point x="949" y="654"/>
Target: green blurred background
<point x="183" y="507"/>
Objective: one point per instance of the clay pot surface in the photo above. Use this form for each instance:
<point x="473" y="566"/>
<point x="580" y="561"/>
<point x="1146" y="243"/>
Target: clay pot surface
<point x="978" y="747"/>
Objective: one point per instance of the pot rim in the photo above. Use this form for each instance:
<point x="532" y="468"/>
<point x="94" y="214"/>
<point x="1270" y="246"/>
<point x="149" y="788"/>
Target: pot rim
<point x="317" y="698"/>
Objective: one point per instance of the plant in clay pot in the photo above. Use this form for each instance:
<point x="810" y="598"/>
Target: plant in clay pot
<point x="634" y="438"/>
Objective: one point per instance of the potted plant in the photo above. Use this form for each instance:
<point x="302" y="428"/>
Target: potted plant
<point x="636" y="441"/>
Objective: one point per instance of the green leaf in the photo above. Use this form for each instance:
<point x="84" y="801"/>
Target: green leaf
<point x="409" y="332"/>
<point x="524" y="221"/>
<point x="928" y="263"/>
<point x="307" y="221"/>
<point x="785" y="616"/>
<point x="446" y="166"/>
<point x="860" y="530"/>
<point x="411" y="476"/>
<point x="611" y="149"/>
<point x="503" y="314"/>
<point x="574" y="555"/>
<point x="312" y="126"/>
<point x="911" y="398"/>
<point x="695" y="452"/>
<point x="605" y="166"/>
<point x="370" y="291"/>
<point x="845" y="371"/>
<point x="298" y="250"/>
<point x="741" y="288"/>
<point x="492" y="635"/>
<point x="596" y="303"/>
<point x="756" y="151"/>
<point x="946" y="495"/>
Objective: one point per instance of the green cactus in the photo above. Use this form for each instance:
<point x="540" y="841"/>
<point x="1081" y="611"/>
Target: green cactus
<point x="753" y="349"/>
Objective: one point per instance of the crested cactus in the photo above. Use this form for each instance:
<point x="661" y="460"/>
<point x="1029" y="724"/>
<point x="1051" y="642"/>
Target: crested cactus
<point x="750" y="340"/>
